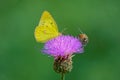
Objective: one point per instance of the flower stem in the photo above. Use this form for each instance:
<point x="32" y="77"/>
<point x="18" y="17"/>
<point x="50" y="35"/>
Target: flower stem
<point x="62" y="76"/>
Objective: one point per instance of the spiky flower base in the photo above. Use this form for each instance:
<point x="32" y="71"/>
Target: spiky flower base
<point x="63" y="64"/>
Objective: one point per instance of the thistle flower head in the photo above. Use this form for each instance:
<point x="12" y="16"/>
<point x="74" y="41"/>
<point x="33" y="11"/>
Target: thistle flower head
<point x="63" y="46"/>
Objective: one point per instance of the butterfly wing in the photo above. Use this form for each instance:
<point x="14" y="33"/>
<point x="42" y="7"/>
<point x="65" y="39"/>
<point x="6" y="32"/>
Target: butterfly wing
<point x="47" y="28"/>
<point x="48" y="20"/>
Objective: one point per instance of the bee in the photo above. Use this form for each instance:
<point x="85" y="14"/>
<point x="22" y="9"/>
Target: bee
<point x="83" y="38"/>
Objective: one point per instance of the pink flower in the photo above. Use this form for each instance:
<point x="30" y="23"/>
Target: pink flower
<point x="63" y="46"/>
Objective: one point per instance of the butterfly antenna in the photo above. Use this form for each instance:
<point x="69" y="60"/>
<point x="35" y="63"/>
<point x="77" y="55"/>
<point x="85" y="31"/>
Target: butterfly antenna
<point x="63" y="30"/>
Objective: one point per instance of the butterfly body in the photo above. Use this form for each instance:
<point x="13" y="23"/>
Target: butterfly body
<point x="47" y="28"/>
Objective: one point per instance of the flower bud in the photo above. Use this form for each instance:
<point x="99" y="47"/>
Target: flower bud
<point x="63" y="64"/>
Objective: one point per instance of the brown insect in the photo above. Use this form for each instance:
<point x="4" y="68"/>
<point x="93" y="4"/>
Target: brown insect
<point x="83" y="38"/>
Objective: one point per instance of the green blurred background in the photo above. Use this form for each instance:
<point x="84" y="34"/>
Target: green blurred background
<point x="20" y="56"/>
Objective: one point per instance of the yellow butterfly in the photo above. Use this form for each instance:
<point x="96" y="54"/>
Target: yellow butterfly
<point x="46" y="29"/>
